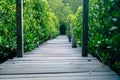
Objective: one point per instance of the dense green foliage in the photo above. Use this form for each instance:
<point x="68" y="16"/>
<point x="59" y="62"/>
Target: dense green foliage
<point x="76" y="24"/>
<point x="7" y="29"/>
<point x="40" y="24"/>
<point x="60" y="9"/>
<point x="104" y="33"/>
<point x="74" y="4"/>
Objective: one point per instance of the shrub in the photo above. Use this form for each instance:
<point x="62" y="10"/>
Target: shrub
<point x="104" y="36"/>
<point x="40" y="24"/>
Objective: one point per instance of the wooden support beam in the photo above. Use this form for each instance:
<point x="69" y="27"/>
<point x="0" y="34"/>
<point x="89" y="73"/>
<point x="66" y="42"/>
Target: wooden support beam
<point x="19" y="23"/>
<point x="85" y="29"/>
<point x="69" y="32"/>
<point x="74" y="43"/>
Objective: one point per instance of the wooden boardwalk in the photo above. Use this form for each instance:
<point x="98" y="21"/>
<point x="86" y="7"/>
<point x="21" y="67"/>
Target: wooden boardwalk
<point x="56" y="60"/>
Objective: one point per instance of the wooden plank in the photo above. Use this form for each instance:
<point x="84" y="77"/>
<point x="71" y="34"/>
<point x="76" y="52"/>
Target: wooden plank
<point x="71" y="77"/>
<point x="60" y="75"/>
<point x="71" y="65"/>
<point x="19" y="19"/>
<point x="45" y="63"/>
<point x="93" y="74"/>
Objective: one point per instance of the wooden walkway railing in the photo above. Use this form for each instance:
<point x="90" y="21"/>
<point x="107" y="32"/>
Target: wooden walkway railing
<point x="56" y="60"/>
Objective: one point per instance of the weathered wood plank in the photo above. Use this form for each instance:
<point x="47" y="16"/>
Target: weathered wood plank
<point x="64" y="78"/>
<point x="56" y="61"/>
<point x="93" y="74"/>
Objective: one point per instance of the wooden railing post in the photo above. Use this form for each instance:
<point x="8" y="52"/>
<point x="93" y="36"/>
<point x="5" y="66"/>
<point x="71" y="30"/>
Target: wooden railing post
<point x="74" y="43"/>
<point x="69" y="32"/>
<point x="85" y="29"/>
<point x="19" y="23"/>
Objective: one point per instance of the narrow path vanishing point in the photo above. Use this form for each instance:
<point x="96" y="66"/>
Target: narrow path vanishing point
<point x="56" y="60"/>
